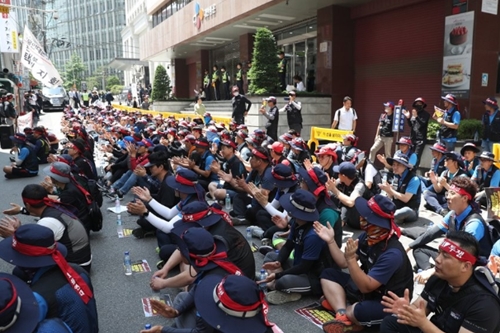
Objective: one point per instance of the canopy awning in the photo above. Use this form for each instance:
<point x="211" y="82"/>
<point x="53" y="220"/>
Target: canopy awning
<point x="125" y="63"/>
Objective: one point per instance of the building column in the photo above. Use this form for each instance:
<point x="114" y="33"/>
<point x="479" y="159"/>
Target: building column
<point x="181" y="79"/>
<point x="246" y="48"/>
<point x="335" y="64"/>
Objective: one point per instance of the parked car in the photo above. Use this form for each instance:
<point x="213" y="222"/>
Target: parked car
<point x="55" y="98"/>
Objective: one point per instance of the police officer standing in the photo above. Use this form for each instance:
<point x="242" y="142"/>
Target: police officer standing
<point x="293" y="113"/>
<point x="238" y="77"/>
<point x="225" y="83"/>
<point x="206" y="85"/>
<point x="241" y="105"/>
<point x="216" y="83"/>
<point x="491" y="124"/>
<point x="272" y="116"/>
<point x="282" y="70"/>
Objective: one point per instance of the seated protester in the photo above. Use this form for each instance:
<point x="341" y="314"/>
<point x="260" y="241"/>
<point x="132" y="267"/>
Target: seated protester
<point x="68" y="230"/>
<point x="63" y="289"/>
<point x="19" y="308"/>
<point x="242" y="147"/>
<point x="370" y="175"/>
<point x="232" y="168"/>
<point x="471" y="161"/>
<point x="276" y="151"/>
<point x="284" y="181"/>
<point x="408" y="190"/>
<point x="349" y="143"/>
<point x="459" y="295"/>
<point x="385" y="268"/>
<point x="288" y="281"/>
<point x="75" y="150"/>
<point x="26" y="163"/>
<point x="464" y="215"/>
<point x="213" y="139"/>
<point x="405" y="145"/>
<point x="40" y="144"/>
<point x="286" y="139"/>
<point x="137" y="159"/>
<point x="485" y="175"/>
<point x="438" y="151"/>
<point x="199" y="214"/>
<point x="435" y="197"/>
<point x="160" y="216"/>
<point x="299" y="153"/>
<point x="206" y="256"/>
<point x="205" y="175"/>
<point x="219" y="305"/>
<point x="159" y="170"/>
<point x="327" y="159"/>
<point x="261" y="176"/>
<point x="346" y="189"/>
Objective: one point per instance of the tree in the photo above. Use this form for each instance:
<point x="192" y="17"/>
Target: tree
<point x="112" y="81"/>
<point x="264" y="71"/>
<point x="161" y="85"/>
<point x="92" y="82"/>
<point x="73" y="72"/>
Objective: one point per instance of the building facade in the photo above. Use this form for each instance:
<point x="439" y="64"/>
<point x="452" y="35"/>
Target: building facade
<point x="91" y="29"/>
<point x="373" y="51"/>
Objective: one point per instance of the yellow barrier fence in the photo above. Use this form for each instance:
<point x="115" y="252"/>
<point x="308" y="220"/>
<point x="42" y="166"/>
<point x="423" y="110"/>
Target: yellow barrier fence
<point x="326" y="134"/>
<point x="165" y="114"/>
<point x="496" y="152"/>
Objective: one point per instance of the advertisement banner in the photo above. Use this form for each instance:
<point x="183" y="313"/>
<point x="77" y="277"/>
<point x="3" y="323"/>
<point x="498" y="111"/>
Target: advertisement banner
<point x="35" y="59"/>
<point x="9" y="42"/>
<point x="457" y="59"/>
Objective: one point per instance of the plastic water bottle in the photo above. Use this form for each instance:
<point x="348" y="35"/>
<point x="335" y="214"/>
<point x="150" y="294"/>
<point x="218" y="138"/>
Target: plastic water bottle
<point x="249" y="235"/>
<point x="119" y="225"/>
<point x="431" y="224"/>
<point x="263" y="276"/>
<point x="147" y="326"/>
<point x="228" y="202"/>
<point x="117" y="203"/>
<point x="128" y="263"/>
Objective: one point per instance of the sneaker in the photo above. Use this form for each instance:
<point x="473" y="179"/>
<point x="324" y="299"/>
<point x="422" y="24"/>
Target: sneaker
<point x="119" y="194"/>
<point x="256" y="231"/>
<point x="341" y="324"/>
<point x="265" y="249"/>
<point x="277" y="297"/>
<point x="266" y="242"/>
<point x="239" y="220"/>
<point x="160" y="264"/>
<point x="324" y="303"/>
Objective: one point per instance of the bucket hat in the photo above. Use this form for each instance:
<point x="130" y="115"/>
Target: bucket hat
<point x="450" y="98"/>
<point x="199" y="212"/>
<point x="487" y="156"/>
<point x="491" y="101"/>
<point x="283" y="176"/>
<point x="469" y="146"/>
<point x="18" y="138"/>
<point x="59" y="171"/>
<point x="377" y="211"/>
<point x="401" y="159"/>
<point x="185" y="181"/>
<point x="455" y="157"/>
<point x="439" y="147"/>
<point x="404" y="140"/>
<point x="232" y="304"/>
<point x="346" y="168"/>
<point x="315" y="179"/>
<point x="301" y="205"/>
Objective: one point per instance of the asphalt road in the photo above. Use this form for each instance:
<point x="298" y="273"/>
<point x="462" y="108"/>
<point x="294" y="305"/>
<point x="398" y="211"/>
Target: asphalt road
<point x="119" y="296"/>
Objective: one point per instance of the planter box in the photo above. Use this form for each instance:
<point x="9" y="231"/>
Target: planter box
<point x="170" y="106"/>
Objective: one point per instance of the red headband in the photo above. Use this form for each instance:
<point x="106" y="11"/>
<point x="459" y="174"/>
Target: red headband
<point x="456" y="251"/>
<point x="320" y="187"/>
<point x="216" y="258"/>
<point x="57" y="172"/>
<point x="201" y="143"/>
<point x="184" y="181"/>
<point x="259" y="154"/>
<point x="196" y="216"/>
<point x="489" y="100"/>
<point x="377" y="210"/>
<point x="280" y="177"/>
<point x="461" y="191"/>
<point x="233" y="308"/>
<point x="79" y="285"/>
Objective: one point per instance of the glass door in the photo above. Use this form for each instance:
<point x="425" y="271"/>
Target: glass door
<point x="309" y="79"/>
<point x="299" y="60"/>
<point x="288" y="49"/>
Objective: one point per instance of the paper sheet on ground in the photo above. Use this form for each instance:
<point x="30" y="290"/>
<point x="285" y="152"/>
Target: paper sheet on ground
<point x="140" y="266"/>
<point x="126" y="233"/>
<point x="316" y="314"/>
<point x="118" y="211"/>
<point x="146" y="304"/>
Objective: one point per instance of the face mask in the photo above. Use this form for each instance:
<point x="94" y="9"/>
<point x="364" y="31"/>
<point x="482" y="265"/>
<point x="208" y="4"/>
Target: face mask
<point x="235" y="93"/>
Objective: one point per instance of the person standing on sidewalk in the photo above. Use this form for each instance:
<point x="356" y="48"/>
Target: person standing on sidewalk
<point x="272" y="116"/>
<point x="206" y="86"/>
<point x="216" y="83"/>
<point x="293" y="112"/>
<point x="491" y="124"/>
<point x="225" y="78"/>
<point x="449" y="122"/>
<point x="384" y="136"/>
<point x="282" y="70"/>
<point x="241" y="105"/>
<point x="345" y="117"/>
<point x="238" y="77"/>
<point x="418" y="119"/>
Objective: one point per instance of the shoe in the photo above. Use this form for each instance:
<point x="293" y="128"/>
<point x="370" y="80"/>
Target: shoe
<point x="277" y="297"/>
<point x="119" y="194"/>
<point x="256" y="231"/>
<point x="141" y="233"/>
<point x="239" y="220"/>
<point x="160" y="264"/>
<point x="266" y="242"/>
<point x="341" y="324"/>
<point x="324" y="303"/>
<point x="157" y="250"/>
<point x="265" y="249"/>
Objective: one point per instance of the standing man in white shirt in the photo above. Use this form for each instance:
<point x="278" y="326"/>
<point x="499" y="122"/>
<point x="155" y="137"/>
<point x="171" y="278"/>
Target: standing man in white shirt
<point x="345" y="117"/>
<point x="293" y="112"/>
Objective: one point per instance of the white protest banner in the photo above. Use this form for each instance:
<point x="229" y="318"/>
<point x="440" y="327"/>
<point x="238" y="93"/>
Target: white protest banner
<point x="25" y="121"/>
<point x="35" y="59"/>
<point x="9" y="42"/>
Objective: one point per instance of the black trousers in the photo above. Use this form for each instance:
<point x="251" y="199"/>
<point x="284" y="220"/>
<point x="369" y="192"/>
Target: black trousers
<point x="422" y="256"/>
<point x="419" y="149"/>
<point x="239" y="84"/>
<point x="391" y="325"/>
<point x="282" y="78"/>
<point x="240" y="202"/>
